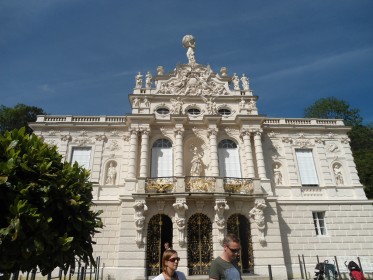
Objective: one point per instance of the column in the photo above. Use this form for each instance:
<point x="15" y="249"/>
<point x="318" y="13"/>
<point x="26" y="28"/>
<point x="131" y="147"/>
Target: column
<point x="245" y="134"/>
<point x="259" y="153"/>
<point x="132" y="154"/>
<point x="179" y="130"/>
<point x="144" y="158"/>
<point x="214" y="163"/>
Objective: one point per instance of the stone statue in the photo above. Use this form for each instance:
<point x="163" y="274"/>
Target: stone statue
<point x="140" y="208"/>
<point x="236" y="82"/>
<point x="252" y="104"/>
<point x="277" y="175"/>
<point x="148" y="80"/>
<point x="210" y="105"/>
<point x="136" y="103"/>
<point x="257" y="214"/>
<point x="139" y="80"/>
<point x="338" y="174"/>
<point x="146" y="103"/>
<point x="160" y="70"/>
<point x="111" y="174"/>
<point x="190" y="43"/>
<point x="242" y="103"/>
<point x="196" y="169"/>
<point x="177" y="105"/>
<point x="220" y="206"/>
<point x="180" y="207"/>
<point x="245" y="82"/>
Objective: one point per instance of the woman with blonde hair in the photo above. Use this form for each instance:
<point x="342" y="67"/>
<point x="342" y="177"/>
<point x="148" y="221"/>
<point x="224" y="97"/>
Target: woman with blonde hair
<point x="170" y="262"/>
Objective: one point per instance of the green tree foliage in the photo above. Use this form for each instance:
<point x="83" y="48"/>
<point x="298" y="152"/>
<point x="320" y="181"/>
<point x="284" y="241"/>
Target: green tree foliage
<point x="47" y="218"/>
<point x="17" y="117"/>
<point x="333" y="108"/>
<point x="361" y="136"/>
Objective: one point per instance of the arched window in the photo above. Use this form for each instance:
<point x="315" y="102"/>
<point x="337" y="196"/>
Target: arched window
<point x="229" y="159"/>
<point x="162" y="159"/>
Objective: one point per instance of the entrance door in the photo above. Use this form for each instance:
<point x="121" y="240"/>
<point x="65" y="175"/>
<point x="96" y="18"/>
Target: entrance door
<point x="240" y="226"/>
<point x="199" y="244"/>
<point x="159" y="232"/>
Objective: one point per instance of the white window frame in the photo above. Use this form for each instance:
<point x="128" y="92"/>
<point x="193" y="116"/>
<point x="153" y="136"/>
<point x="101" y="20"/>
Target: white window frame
<point x="84" y="159"/>
<point x="229" y="166"/>
<point x="306" y="168"/>
<point x="162" y="166"/>
<point x="319" y="223"/>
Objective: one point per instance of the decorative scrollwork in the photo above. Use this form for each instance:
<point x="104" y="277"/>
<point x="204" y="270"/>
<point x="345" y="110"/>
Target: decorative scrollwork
<point x="239" y="185"/>
<point x="200" y="184"/>
<point x="160" y="185"/>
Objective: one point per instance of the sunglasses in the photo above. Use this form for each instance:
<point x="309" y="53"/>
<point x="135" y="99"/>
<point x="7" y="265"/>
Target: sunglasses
<point x="234" y="251"/>
<point x="174" y="259"/>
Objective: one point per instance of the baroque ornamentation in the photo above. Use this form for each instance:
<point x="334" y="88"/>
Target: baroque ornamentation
<point x="205" y="184"/>
<point x="220" y="206"/>
<point x="65" y="137"/>
<point x="193" y="80"/>
<point x="238" y="185"/>
<point x="345" y="140"/>
<point x="257" y="213"/>
<point x="140" y="209"/>
<point x="180" y="207"/>
<point x="160" y="185"/>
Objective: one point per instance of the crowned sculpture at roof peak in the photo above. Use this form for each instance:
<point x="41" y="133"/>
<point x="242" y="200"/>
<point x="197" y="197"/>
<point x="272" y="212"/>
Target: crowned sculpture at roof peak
<point x="190" y="43"/>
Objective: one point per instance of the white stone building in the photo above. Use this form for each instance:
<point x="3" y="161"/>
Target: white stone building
<point x="195" y="160"/>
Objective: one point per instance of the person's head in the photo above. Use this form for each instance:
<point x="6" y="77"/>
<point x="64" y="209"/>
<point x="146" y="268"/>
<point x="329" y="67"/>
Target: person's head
<point x="231" y="245"/>
<point x="167" y="246"/>
<point x="170" y="260"/>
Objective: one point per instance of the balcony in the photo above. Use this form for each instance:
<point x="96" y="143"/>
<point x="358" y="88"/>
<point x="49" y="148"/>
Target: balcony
<point x="200" y="184"/>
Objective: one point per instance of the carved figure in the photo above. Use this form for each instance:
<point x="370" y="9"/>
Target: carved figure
<point x="242" y="103"/>
<point x="236" y="82"/>
<point x="180" y="207"/>
<point x="140" y="208"/>
<point x="139" y="80"/>
<point x="146" y="103"/>
<point x="338" y="174"/>
<point x="177" y="105"/>
<point x="277" y="175"/>
<point x="190" y="43"/>
<point x="148" y="80"/>
<point x="196" y="169"/>
<point x="258" y="214"/>
<point x="210" y="105"/>
<point x="136" y="103"/>
<point x="220" y="206"/>
<point x="252" y="104"/>
<point x="111" y="174"/>
<point x="245" y="82"/>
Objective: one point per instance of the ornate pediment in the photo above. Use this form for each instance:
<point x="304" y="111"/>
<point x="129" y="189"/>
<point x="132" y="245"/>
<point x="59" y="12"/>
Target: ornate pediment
<point x="194" y="79"/>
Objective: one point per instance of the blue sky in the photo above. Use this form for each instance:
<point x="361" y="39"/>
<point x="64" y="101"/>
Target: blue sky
<point x="80" y="57"/>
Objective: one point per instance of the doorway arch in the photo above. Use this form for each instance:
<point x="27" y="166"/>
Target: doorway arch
<point x="240" y="226"/>
<point x="199" y="244"/>
<point x="159" y="232"/>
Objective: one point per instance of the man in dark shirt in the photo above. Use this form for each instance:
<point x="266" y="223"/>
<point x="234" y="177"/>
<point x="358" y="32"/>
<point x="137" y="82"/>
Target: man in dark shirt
<point x="225" y="267"/>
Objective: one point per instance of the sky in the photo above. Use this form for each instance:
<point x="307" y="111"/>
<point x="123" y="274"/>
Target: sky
<point x="80" y="57"/>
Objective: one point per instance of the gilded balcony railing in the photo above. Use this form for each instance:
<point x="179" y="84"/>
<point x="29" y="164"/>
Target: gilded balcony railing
<point x="160" y="185"/>
<point x="199" y="184"/>
<point x="239" y="185"/>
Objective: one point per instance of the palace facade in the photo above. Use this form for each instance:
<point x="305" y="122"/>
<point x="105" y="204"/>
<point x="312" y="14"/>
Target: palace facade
<point x="195" y="160"/>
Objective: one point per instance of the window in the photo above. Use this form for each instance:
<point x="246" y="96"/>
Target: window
<point x="319" y="222"/>
<point x="229" y="159"/>
<point x="194" y="111"/>
<point x="163" y="111"/>
<point x="224" y="112"/>
<point x="82" y="156"/>
<point x="306" y="167"/>
<point x="162" y="159"/>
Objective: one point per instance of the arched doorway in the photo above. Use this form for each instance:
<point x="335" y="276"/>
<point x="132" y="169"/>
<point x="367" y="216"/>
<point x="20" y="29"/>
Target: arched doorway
<point x="199" y="244"/>
<point x="159" y="232"/>
<point x="239" y="225"/>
